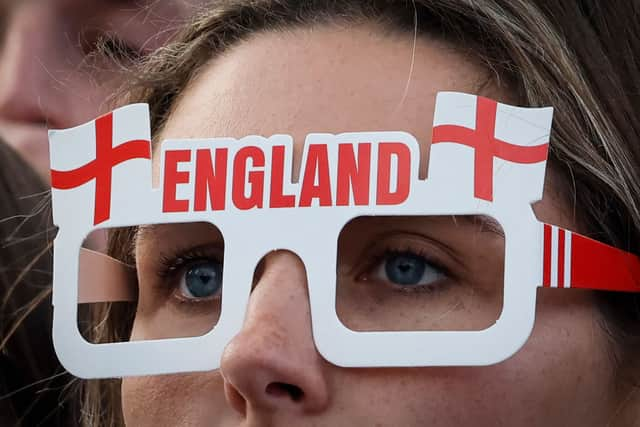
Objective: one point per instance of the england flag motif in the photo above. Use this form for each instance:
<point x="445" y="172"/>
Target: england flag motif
<point x="509" y="144"/>
<point x="93" y="164"/>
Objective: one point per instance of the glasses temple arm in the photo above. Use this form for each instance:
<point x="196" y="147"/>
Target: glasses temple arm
<point x="571" y="260"/>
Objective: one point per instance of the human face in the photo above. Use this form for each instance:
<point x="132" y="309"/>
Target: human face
<point x="48" y="79"/>
<point x="336" y="80"/>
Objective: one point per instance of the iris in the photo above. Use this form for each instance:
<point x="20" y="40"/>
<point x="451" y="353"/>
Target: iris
<point x="405" y="268"/>
<point x="204" y="279"/>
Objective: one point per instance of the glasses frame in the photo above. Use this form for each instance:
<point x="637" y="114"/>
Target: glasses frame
<point x="533" y="256"/>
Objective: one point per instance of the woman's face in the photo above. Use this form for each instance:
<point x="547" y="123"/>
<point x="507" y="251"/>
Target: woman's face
<point x="336" y="80"/>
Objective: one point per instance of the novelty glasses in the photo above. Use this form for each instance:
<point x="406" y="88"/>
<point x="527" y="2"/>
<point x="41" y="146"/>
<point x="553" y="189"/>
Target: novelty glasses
<point x="400" y="271"/>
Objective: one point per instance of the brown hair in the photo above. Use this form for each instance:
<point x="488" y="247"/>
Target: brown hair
<point x="33" y="385"/>
<point x="578" y="56"/>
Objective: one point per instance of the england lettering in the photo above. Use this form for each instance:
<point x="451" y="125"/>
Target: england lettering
<point x="257" y="177"/>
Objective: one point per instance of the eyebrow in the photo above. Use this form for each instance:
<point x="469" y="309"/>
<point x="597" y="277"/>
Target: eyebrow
<point x="143" y="230"/>
<point x="487" y="223"/>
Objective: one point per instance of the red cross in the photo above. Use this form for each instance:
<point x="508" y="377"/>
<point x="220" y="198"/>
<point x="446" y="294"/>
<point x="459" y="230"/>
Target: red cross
<point x="486" y="146"/>
<point x="100" y="168"/>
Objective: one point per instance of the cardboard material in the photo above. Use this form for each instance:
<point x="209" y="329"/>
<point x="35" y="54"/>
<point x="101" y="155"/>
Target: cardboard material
<point x="487" y="158"/>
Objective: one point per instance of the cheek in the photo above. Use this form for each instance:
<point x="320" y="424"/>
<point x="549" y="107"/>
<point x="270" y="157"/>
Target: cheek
<point x="175" y="400"/>
<point x="562" y="376"/>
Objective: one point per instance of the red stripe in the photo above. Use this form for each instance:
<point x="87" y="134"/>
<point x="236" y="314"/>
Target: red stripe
<point x="560" y="257"/>
<point x="485" y="131"/>
<point x="453" y="133"/>
<point x="520" y="154"/>
<point x="502" y="149"/>
<point x="104" y="146"/>
<point x="65" y="180"/>
<point x="546" y="257"/>
<point x="595" y="265"/>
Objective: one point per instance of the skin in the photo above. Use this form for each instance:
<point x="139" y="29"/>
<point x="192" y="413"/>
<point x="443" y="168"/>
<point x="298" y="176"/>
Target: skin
<point x="333" y="80"/>
<point x="49" y="79"/>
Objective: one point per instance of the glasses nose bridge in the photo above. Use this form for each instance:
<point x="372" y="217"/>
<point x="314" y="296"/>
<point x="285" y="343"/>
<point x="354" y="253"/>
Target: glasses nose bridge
<point x="311" y="240"/>
<point x="297" y="231"/>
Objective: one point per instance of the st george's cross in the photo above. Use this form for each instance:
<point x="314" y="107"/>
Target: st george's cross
<point x="101" y="168"/>
<point x="487" y="146"/>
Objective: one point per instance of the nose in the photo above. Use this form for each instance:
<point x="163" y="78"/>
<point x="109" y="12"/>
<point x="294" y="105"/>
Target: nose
<point x="31" y="64"/>
<point x="272" y="364"/>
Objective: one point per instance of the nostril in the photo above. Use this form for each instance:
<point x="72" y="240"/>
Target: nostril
<point x="284" y="389"/>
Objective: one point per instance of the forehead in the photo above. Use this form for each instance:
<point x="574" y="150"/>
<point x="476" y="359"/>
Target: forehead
<point x="326" y="79"/>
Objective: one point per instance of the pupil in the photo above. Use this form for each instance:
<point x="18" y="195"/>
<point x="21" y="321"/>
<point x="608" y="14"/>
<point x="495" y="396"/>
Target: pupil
<point x="405" y="269"/>
<point x="204" y="279"/>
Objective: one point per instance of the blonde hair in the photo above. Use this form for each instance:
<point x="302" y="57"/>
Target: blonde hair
<point x="573" y="55"/>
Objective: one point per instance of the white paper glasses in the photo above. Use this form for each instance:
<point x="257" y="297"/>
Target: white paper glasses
<point x="400" y="271"/>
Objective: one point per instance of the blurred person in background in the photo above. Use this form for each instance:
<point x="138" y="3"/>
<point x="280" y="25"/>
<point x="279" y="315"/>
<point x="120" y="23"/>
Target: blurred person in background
<point x="50" y="74"/>
<point x="60" y="62"/>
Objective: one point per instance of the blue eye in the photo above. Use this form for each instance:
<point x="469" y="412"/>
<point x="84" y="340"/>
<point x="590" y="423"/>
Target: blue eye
<point x="202" y="279"/>
<point x="408" y="269"/>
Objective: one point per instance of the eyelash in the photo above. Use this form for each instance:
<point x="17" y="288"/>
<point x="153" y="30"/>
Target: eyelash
<point x="389" y="251"/>
<point x="170" y="270"/>
<point x="170" y="266"/>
